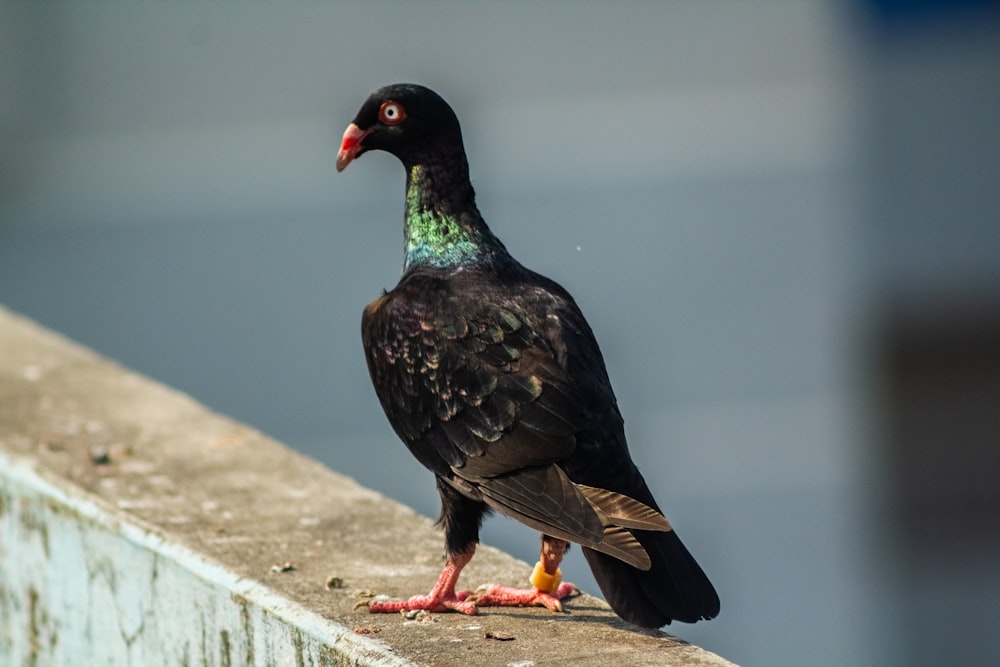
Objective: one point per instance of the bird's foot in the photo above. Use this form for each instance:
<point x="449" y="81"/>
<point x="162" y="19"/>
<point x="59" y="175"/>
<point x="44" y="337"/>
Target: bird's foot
<point x="442" y="597"/>
<point x="459" y="602"/>
<point x="548" y="589"/>
<point x="493" y="595"/>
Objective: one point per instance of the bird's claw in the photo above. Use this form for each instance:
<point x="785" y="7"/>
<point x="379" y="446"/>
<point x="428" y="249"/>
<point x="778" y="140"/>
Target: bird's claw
<point x="493" y="595"/>
<point x="468" y="602"/>
<point x="459" y="602"/>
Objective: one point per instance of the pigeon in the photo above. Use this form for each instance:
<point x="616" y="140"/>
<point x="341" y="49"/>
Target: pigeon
<point x="493" y="379"/>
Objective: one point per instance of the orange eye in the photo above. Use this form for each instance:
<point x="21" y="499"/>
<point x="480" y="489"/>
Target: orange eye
<point x="391" y="113"/>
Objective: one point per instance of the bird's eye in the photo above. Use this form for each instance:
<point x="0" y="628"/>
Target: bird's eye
<point x="391" y="113"/>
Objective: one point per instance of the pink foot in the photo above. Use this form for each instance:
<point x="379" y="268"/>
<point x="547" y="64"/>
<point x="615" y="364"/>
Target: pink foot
<point x="548" y="589"/>
<point x="441" y="598"/>
<point x="493" y="595"/>
<point x="435" y="603"/>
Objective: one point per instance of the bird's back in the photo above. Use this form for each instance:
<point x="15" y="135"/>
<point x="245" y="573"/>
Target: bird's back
<point x="404" y="328"/>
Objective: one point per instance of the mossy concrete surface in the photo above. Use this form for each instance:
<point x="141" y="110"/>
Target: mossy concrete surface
<point x="139" y="528"/>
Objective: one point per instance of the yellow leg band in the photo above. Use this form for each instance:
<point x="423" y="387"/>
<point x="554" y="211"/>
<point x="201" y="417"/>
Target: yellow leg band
<point x="543" y="581"/>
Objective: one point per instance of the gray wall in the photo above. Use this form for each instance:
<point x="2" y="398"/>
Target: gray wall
<point x="727" y="189"/>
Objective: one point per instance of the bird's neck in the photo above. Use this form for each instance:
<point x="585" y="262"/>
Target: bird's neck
<point x="443" y="227"/>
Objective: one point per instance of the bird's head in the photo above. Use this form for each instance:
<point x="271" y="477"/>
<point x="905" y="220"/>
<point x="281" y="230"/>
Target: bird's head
<point x="410" y="121"/>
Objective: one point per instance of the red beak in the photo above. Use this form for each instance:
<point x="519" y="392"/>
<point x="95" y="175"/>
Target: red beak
<point x="350" y="146"/>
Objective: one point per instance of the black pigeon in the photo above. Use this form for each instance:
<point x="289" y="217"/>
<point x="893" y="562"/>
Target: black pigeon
<point x="492" y="377"/>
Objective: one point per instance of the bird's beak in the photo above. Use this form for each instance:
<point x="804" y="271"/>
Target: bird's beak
<point x="350" y="146"/>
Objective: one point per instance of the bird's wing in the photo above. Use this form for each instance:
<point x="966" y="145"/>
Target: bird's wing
<point x="484" y="400"/>
<point x="481" y="399"/>
<point x="483" y="391"/>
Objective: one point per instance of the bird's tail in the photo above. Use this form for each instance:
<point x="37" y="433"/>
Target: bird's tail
<point x="673" y="589"/>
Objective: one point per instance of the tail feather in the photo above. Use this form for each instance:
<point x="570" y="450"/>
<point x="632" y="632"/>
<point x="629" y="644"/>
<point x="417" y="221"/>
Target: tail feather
<point x="673" y="589"/>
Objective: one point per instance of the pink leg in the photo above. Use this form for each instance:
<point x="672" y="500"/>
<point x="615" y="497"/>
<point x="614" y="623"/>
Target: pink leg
<point x="442" y="597"/>
<point x="548" y="591"/>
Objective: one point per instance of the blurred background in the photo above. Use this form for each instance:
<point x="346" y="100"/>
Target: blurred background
<point x="782" y="220"/>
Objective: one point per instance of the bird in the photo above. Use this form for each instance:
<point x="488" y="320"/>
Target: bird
<point x="493" y="379"/>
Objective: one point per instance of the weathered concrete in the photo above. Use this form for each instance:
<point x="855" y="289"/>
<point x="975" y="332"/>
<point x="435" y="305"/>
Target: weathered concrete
<point x="138" y="528"/>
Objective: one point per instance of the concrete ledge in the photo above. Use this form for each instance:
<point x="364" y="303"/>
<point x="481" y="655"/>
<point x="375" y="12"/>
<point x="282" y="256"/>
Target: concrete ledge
<point x="138" y="528"/>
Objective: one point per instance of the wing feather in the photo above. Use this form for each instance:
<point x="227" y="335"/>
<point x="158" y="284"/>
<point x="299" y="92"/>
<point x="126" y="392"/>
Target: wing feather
<point x="485" y="400"/>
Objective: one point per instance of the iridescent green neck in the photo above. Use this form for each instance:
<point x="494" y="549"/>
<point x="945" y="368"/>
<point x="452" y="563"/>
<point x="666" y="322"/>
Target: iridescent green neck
<point x="443" y="230"/>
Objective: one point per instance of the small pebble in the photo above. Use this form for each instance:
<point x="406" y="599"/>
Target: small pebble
<point x="367" y="630"/>
<point x="99" y="456"/>
<point x="284" y="567"/>
<point x="417" y="615"/>
<point x="499" y="636"/>
<point x="334" y="582"/>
